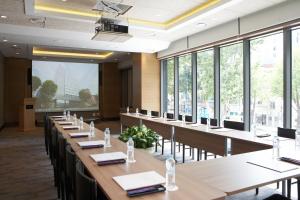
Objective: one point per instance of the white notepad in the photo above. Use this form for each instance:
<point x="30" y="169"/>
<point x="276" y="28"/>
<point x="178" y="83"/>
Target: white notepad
<point x="101" y="157"/>
<point x="275" y="165"/>
<point x="90" y="143"/>
<point x="58" y="116"/>
<point x="139" y="180"/>
<point x="79" y="134"/>
<point x="222" y="130"/>
<point x="65" y="123"/>
<point x="70" y="127"/>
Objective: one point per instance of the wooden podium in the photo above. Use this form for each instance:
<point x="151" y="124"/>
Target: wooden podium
<point x="27" y="115"/>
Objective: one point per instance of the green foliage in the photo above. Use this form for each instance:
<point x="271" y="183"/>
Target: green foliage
<point x="47" y="92"/>
<point x="142" y="136"/>
<point x="36" y="83"/>
<point x="85" y="95"/>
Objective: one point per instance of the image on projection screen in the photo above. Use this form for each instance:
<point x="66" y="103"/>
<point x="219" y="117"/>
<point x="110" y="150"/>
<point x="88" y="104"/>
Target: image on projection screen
<point x="64" y="85"/>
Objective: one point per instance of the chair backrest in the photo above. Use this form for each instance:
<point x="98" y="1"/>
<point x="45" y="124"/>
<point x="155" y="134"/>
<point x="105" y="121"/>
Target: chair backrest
<point x="188" y="118"/>
<point x="144" y="112"/>
<point x="212" y="121"/>
<point x="86" y="188"/>
<point x="54" y="145"/>
<point x="155" y="113"/>
<point x="234" y="125"/>
<point x="170" y="115"/>
<point x="70" y="168"/>
<point x="61" y="151"/>
<point x="286" y="133"/>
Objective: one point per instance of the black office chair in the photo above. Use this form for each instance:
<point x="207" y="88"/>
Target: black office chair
<point x="286" y="133"/>
<point x="46" y="131"/>
<point x="62" y="164"/>
<point x="170" y="116"/>
<point x="291" y="134"/>
<point x="234" y="125"/>
<point x="155" y="113"/>
<point x="277" y="197"/>
<point x="70" y="173"/>
<point x="188" y="119"/>
<point x="55" y="159"/>
<point x="213" y="122"/>
<point x="144" y="112"/>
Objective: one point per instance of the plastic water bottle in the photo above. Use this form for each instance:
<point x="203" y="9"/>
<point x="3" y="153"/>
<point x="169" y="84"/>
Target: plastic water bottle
<point x="165" y="116"/>
<point x="149" y="113"/>
<point x="275" y="147"/>
<point x="92" y="129"/>
<point x="127" y="109"/>
<point x="107" y="137"/>
<point x="130" y="151"/>
<point x="75" y="119"/>
<point x="208" y="123"/>
<point x="137" y="111"/>
<point x="81" y="123"/>
<point x="170" y="174"/>
<point x="183" y="120"/>
<point x="65" y="114"/>
<point x="253" y="129"/>
<point x="297" y="138"/>
<point x="68" y="115"/>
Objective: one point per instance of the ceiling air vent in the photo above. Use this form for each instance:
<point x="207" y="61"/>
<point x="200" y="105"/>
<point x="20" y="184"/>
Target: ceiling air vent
<point x="111" y="7"/>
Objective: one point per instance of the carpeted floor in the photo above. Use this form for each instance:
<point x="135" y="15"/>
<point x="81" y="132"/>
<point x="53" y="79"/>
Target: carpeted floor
<point x="26" y="172"/>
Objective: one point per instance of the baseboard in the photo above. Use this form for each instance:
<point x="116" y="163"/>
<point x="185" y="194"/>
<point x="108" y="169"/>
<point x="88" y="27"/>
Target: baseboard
<point x="2" y="127"/>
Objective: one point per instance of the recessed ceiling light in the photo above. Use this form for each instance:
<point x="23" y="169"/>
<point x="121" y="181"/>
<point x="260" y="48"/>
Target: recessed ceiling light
<point x="5" y="40"/>
<point x="64" y="0"/>
<point x="3" y="16"/>
<point x="152" y="34"/>
<point x="14" y="45"/>
<point x="201" y="24"/>
<point x="17" y="53"/>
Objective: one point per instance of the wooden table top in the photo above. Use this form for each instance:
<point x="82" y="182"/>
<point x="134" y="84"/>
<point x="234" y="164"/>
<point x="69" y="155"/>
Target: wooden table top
<point x="233" y="134"/>
<point x="189" y="188"/>
<point x="234" y="175"/>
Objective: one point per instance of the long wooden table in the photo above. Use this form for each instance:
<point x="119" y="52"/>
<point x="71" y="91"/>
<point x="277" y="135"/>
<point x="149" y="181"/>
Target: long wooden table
<point x="188" y="188"/>
<point x="211" y="140"/>
<point x="211" y="179"/>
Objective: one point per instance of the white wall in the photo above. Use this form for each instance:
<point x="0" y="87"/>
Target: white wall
<point x="277" y="14"/>
<point x="1" y="90"/>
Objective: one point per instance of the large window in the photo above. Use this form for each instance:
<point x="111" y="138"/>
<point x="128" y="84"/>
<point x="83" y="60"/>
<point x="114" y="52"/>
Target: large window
<point x="231" y="80"/>
<point x="185" y="84"/>
<point x="296" y="78"/>
<point x="267" y="82"/>
<point x="205" y="84"/>
<point x="170" y="85"/>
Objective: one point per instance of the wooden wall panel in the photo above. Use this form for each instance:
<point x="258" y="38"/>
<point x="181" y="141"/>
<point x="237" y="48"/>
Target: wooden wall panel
<point x="110" y="91"/>
<point x="15" y="87"/>
<point x="150" y="77"/>
<point x="1" y="91"/>
<point x="136" y="80"/>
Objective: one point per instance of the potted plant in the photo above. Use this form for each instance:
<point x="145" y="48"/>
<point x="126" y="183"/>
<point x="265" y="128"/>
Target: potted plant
<point x="142" y="136"/>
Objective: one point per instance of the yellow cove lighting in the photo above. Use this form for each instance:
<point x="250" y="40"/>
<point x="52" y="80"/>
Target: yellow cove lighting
<point x="41" y="52"/>
<point x="66" y="11"/>
<point x="166" y="24"/>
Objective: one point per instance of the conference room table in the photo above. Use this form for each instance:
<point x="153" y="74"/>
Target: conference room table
<point x="188" y="188"/>
<point x="210" y="179"/>
<point x="200" y="136"/>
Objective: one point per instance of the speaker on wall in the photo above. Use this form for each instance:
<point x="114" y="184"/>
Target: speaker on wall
<point x="29" y="77"/>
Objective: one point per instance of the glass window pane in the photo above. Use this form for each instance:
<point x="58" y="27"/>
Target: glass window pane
<point x="170" y="85"/>
<point x="185" y="84"/>
<point x="296" y="79"/>
<point x="267" y="82"/>
<point x="231" y="75"/>
<point x="205" y="84"/>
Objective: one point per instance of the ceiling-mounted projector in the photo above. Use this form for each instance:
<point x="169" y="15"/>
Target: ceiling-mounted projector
<point x="111" y="30"/>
